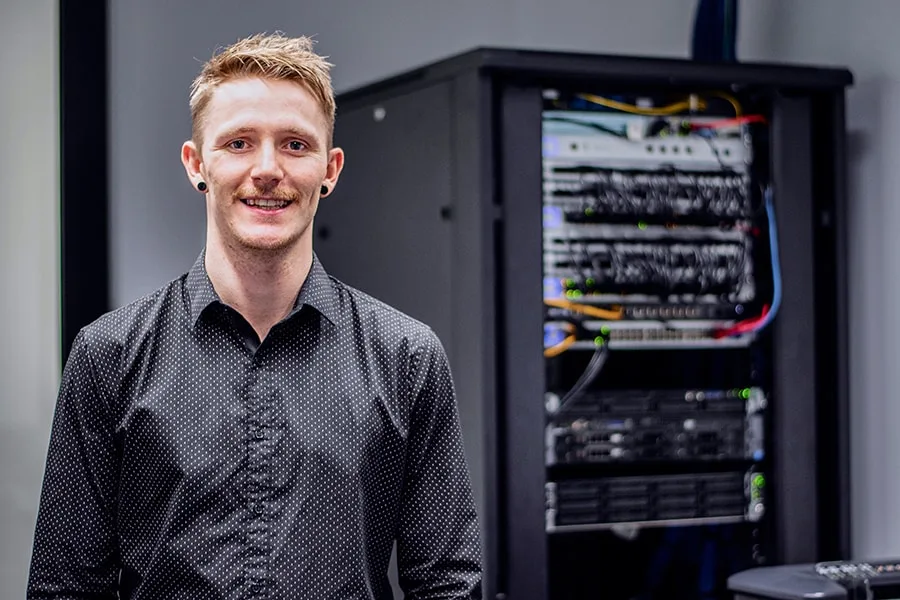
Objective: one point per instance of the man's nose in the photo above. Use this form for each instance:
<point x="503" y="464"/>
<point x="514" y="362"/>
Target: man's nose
<point x="267" y="170"/>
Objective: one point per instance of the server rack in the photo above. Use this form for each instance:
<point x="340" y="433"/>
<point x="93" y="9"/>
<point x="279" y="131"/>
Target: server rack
<point x="442" y="211"/>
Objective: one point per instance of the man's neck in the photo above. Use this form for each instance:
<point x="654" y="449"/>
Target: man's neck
<point x="261" y="286"/>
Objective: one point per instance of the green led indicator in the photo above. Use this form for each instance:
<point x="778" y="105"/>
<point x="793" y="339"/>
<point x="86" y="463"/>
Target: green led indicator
<point x="590" y="281"/>
<point x="642" y="225"/>
<point x="605" y="330"/>
<point x="598" y="341"/>
<point x="745" y="393"/>
<point x="570" y="283"/>
<point x="759" y="481"/>
<point x="589" y="211"/>
<point x="577" y="294"/>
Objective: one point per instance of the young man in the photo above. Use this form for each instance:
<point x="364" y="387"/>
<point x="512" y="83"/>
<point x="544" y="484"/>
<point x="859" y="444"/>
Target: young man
<point x="256" y="428"/>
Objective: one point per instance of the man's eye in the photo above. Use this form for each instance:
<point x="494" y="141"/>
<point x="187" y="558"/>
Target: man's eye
<point x="237" y="144"/>
<point x="296" y="145"/>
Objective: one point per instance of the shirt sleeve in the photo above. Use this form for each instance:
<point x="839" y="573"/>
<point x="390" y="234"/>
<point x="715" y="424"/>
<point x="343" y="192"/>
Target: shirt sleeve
<point x="75" y="555"/>
<point x="438" y="543"/>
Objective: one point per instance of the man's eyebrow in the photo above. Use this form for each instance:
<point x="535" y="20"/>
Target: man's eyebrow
<point x="249" y="129"/>
<point x="298" y="132"/>
<point x="235" y="131"/>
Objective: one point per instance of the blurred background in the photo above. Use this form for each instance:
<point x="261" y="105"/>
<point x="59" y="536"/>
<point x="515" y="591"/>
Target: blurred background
<point x="155" y="221"/>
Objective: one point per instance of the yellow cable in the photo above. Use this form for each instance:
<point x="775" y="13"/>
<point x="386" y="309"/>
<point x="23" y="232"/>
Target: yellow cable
<point x="672" y="109"/>
<point x="683" y="106"/>
<point x="559" y="348"/>
<point x="734" y="101"/>
<point x="591" y="311"/>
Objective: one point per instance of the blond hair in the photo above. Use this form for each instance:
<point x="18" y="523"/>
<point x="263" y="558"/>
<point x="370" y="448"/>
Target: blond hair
<point x="270" y="56"/>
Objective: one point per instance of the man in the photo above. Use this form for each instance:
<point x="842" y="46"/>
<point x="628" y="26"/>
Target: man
<point x="256" y="428"/>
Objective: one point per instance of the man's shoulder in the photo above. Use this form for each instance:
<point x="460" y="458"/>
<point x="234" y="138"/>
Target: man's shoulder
<point x="382" y="320"/>
<point x="125" y="324"/>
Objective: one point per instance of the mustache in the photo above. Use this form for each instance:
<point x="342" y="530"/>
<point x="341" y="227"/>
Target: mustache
<point x="275" y="194"/>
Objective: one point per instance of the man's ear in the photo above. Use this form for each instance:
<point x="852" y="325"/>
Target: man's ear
<point x="335" y="166"/>
<point x="193" y="165"/>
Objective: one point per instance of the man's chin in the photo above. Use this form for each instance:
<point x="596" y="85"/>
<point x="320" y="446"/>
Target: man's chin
<point x="267" y="244"/>
<point x="265" y="240"/>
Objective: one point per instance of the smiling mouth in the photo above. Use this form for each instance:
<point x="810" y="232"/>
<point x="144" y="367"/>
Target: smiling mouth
<point x="266" y="203"/>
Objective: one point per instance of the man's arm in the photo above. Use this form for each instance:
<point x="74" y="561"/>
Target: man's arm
<point x="438" y="544"/>
<point x="75" y="554"/>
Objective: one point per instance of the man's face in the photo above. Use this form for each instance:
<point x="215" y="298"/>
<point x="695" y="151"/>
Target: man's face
<point x="265" y="157"/>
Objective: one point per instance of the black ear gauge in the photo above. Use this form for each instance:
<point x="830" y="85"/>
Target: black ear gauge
<point x="201" y="186"/>
<point x="324" y="190"/>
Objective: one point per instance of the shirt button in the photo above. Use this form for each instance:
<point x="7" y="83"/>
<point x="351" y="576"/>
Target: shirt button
<point x="260" y="433"/>
<point x="256" y="587"/>
<point x="258" y="509"/>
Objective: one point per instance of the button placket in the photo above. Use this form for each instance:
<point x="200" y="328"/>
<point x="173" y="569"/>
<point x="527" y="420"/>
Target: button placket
<point x="258" y="484"/>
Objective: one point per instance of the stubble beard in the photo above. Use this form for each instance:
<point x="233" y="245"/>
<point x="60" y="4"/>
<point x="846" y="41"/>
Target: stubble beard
<point x="267" y="248"/>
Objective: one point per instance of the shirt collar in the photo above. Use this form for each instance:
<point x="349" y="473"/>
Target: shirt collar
<point x="317" y="291"/>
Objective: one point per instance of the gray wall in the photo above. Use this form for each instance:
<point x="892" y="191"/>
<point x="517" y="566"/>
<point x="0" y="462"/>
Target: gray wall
<point x="29" y="359"/>
<point x="156" y="49"/>
<point x="861" y="35"/>
<point x="158" y="220"/>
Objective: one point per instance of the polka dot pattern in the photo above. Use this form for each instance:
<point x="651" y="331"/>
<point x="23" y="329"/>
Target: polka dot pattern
<point x="189" y="460"/>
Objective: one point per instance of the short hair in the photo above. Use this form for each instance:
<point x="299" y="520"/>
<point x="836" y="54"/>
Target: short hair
<point x="269" y="56"/>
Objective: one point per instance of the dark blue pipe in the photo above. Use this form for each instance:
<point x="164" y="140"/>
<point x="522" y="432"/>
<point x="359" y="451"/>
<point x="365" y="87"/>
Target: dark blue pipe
<point x="715" y="31"/>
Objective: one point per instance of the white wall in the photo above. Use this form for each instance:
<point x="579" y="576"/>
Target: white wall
<point x="29" y="273"/>
<point x="157" y="220"/>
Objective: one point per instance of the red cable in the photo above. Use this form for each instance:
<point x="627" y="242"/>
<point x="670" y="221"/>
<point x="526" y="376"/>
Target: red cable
<point x="731" y="121"/>
<point x="743" y="326"/>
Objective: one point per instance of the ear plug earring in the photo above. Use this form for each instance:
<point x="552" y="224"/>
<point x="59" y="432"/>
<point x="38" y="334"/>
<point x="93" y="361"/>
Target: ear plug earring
<point x="201" y="186"/>
<point x="324" y="190"/>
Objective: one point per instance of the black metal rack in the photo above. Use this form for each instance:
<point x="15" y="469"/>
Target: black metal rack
<point x="438" y="213"/>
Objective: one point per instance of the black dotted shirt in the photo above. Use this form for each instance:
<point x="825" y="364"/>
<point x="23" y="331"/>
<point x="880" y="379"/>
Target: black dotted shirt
<point x="189" y="461"/>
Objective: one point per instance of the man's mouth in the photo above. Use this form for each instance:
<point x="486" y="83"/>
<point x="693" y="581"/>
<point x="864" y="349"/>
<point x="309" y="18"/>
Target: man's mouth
<point x="266" y="203"/>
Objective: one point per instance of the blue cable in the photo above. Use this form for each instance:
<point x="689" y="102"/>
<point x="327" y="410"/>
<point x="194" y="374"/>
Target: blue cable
<point x="776" y="263"/>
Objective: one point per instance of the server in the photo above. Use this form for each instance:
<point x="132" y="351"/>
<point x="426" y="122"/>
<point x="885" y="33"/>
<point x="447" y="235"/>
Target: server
<point x="636" y="266"/>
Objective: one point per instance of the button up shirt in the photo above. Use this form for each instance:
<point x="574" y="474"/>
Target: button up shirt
<point x="188" y="460"/>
